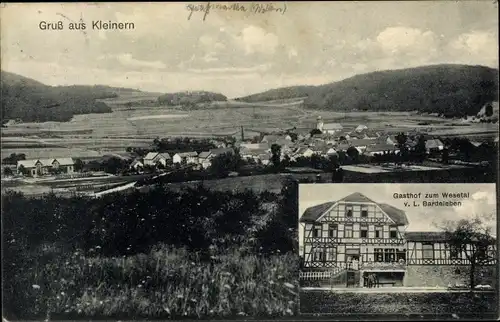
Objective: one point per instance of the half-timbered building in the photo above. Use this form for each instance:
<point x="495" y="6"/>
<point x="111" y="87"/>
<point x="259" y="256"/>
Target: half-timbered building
<point x="346" y="240"/>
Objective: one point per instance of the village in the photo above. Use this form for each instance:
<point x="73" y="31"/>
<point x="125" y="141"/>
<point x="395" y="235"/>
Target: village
<point x="327" y="147"/>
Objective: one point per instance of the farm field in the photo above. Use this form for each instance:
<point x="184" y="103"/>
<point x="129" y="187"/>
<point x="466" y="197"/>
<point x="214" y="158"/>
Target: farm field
<point x="97" y="134"/>
<point x="481" y="304"/>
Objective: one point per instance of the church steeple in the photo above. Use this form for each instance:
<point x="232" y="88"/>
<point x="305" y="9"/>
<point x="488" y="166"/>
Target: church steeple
<point x="319" y="124"/>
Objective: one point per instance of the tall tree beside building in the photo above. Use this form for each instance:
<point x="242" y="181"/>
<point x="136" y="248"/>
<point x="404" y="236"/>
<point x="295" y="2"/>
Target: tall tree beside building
<point x="401" y="139"/>
<point x="420" y="150"/>
<point x="473" y="238"/>
<point x="275" y="154"/>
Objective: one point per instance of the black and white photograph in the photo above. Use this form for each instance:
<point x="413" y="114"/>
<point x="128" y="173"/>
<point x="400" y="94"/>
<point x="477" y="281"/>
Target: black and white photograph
<point x="398" y="248"/>
<point x="152" y="154"/>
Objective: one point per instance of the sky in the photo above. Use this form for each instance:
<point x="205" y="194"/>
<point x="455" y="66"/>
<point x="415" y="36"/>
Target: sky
<point x="481" y="201"/>
<point x="239" y="53"/>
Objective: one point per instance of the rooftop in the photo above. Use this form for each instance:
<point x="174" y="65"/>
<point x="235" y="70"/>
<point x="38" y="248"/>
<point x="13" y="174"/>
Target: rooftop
<point x="314" y="213"/>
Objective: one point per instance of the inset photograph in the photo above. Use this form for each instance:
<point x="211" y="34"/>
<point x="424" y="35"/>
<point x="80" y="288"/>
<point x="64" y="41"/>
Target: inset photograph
<point x="385" y="249"/>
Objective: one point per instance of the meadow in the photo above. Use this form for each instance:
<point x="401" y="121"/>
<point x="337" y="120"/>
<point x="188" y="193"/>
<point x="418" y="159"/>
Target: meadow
<point x="165" y="283"/>
<point x="195" y="253"/>
<point x="91" y="134"/>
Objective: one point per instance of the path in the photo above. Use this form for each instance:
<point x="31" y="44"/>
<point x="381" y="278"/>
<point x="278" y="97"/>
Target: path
<point x="391" y="290"/>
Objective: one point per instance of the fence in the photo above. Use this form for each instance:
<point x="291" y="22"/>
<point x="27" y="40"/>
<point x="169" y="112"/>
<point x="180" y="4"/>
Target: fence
<point x="320" y="275"/>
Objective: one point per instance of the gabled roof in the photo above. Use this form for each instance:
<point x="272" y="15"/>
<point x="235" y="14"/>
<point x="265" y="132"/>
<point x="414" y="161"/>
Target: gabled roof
<point x="64" y="161"/>
<point x="45" y="162"/>
<point x="27" y="163"/>
<point x="332" y="126"/>
<point x="253" y="152"/>
<point x="312" y="214"/>
<point x="396" y="214"/>
<point x="219" y="151"/>
<point x="165" y="155"/>
<point x="204" y="154"/>
<point x="187" y="154"/>
<point x="362" y="142"/>
<point x="360" y="128"/>
<point x="380" y="148"/>
<point x="150" y="155"/>
<point x="433" y="143"/>
<point x="425" y="236"/>
<point x="252" y="146"/>
<point x="356" y="197"/>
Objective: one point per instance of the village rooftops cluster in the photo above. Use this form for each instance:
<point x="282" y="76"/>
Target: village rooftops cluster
<point x="331" y="139"/>
<point x="202" y="159"/>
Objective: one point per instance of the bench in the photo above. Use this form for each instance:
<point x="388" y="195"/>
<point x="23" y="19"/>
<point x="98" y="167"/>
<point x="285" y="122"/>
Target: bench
<point x="386" y="283"/>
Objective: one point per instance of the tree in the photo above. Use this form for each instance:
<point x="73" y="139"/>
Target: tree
<point x="473" y="239"/>
<point x="315" y="131"/>
<point x="275" y="154"/>
<point x="78" y="166"/>
<point x="22" y="170"/>
<point x="420" y="150"/>
<point x="226" y="162"/>
<point x="7" y="171"/>
<point x="353" y="153"/>
<point x="401" y="139"/>
<point x="488" y="110"/>
<point x="445" y="156"/>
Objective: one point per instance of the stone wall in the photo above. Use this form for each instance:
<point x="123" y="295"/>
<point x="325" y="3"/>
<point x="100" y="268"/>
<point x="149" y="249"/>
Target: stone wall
<point x="442" y="275"/>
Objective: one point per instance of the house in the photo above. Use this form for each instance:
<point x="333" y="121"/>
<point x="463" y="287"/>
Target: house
<point x="303" y="152"/>
<point x="273" y="139"/>
<point x="264" y="158"/>
<point x="380" y="149"/>
<point x="361" y="144"/>
<point x="137" y="165"/>
<point x="204" y="159"/>
<point x="332" y="128"/>
<point x="254" y="146"/>
<point x="387" y="139"/>
<point x="39" y="167"/>
<point x="155" y="158"/>
<point x="434" y="145"/>
<point x="185" y="158"/>
<point x="369" y="134"/>
<point x="355" y="235"/>
<point x="361" y="128"/>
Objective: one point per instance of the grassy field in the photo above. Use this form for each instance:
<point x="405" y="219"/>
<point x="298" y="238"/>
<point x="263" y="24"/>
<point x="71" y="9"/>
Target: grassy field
<point x="164" y="283"/>
<point x="84" y="134"/>
<point x="407" y="303"/>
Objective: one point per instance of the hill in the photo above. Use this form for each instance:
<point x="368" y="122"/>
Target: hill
<point x="31" y="101"/>
<point x="452" y="90"/>
<point x="190" y="98"/>
<point x="279" y="94"/>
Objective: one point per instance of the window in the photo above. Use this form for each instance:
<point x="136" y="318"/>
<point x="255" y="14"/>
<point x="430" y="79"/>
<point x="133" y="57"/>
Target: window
<point x="378" y="231"/>
<point x="348" y="211"/>
<point x="348" y="231"/>
<point x="364" y="231"/>
<point x="317" y="231"/>
<point x="332" y="230"/>
<point x="364" y="211"/>
<point x="455" y="252"/>
<point x="318" y="255"/>
<point x="428" y="251"/>
<point x="393" y="232"/>
<point x="379" y="255"/>
<point x="389" y="255"/>
<point x="331" y="254"/>
<point x="401" y="254"/>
